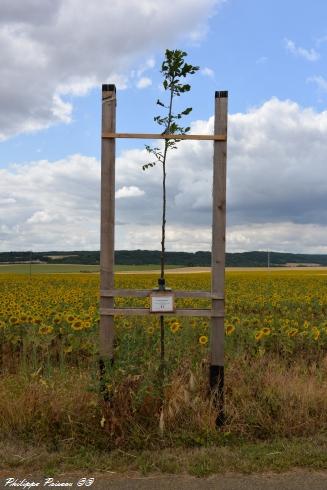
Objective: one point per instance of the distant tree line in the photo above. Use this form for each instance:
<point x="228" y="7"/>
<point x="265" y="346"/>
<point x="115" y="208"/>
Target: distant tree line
<point x="144" y="257"/>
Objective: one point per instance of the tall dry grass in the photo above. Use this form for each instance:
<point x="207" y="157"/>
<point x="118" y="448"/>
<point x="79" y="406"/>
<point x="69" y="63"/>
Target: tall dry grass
<point x="265" y="398"/>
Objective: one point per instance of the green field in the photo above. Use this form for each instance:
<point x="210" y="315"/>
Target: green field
<point x="71" y="268"/>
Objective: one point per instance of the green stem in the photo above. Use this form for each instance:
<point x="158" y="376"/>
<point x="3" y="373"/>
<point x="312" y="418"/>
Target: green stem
<point x="164" y="175"/>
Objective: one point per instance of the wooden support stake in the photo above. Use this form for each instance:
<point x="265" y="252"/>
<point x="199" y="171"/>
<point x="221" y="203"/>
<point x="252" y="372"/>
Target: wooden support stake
<point x="218" y="253"/>
<point x="107" y="230"/>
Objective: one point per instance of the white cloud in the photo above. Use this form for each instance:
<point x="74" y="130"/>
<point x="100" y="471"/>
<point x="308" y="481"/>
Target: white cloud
<point x="179" y="238"/>
<point x="131" y="191"/>
<point x="67" y="47"/>
<point x="148" y="65"/>
<point x="208" y="72"/>
<point x="43" y="217"/>
<point x="285" y="236"/>
<point x="144" y="82"/>
<point x="50" y="205"/>
<point x="80" y="87"/>
<point x="308" y="54"/>
<point x="320" y="82"/>
<point x="276" y="191"/>
<point x="121" y="81"/>
<point x="61" y="110"/>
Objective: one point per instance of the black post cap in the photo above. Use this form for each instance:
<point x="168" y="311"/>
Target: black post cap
<point x="108" y="87"/>
<point x="220" y="94"/>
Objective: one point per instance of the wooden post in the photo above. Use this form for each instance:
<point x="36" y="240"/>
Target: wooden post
<point x="107" y="230"/>
<point x="218" y="253"/>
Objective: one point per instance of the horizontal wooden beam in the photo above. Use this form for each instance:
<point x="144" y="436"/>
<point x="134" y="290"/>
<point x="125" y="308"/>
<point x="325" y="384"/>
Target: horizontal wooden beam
<point x="154" y="136"/>
<point x="146" y="311"/>
<point x="143" y="293"/>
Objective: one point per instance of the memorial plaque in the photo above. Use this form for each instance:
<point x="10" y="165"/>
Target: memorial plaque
<point x="162" y="302"/>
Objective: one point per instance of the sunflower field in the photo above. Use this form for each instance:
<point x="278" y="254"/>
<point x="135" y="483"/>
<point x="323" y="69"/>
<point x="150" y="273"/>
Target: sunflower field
<point x="276" y="360"/>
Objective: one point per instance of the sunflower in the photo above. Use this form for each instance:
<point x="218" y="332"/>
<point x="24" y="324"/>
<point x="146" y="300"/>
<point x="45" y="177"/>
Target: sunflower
<point x="70" y="318"/>
<point x="266" y="331"/>
<point x="150" y="330"/>
<point x="255" y="322"/>
<point x="45" y="330"/>
<point x="203" y="340"/>
<point x="230" y="329"/>
<point x="259" y="335"/>
<point x="292" y="332"/>
<point x="77" y="325"/>
<point x="174" y="327"/>
<point x="316" y="333"/>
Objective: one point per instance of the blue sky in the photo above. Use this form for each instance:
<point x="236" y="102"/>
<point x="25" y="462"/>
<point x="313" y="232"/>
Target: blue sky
<point x="269" y="55"/>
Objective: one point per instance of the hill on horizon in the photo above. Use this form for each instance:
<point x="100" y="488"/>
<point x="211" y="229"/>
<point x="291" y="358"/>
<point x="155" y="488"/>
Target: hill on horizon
<point x="186" y="259"/>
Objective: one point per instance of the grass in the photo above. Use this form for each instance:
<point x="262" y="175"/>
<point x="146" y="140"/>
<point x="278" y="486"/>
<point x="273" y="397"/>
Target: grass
<point x="266" y="399"/>
<point x="32" y="269"/>
<point x="232" y="455"/>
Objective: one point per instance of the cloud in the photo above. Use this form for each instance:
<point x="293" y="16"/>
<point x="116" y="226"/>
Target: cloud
<point x="43" y="217"/>
<point x="319" y="81"/>
<point x="131" y="191"/>
<point x="307" y="54"/>
<point x="61" y="110"/>
<point x="148" y="65"/>
<point x="65" y="48"/>
<point x="144" y="82"/>
<point x="208" y="72"/>
<point x="48" y="205"/>
<point x="285" y="236"/>
<point x="276" y="191"/>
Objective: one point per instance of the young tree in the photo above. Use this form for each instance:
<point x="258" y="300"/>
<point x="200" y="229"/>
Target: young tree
<point x="173" y="69"/>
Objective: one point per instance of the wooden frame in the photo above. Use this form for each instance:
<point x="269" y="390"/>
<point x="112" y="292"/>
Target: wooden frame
<point x="107" y="291"/>
<point x="166" y="136"/>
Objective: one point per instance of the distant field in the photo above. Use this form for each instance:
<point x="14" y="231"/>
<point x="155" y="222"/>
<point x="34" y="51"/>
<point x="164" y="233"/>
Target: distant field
<point x="77" y="268"/>
<point x="69" y="268"/>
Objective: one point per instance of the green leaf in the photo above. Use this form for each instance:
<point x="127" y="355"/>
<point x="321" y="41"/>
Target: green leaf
<point x="174" y="68"/>
<point x="187" y="111"/>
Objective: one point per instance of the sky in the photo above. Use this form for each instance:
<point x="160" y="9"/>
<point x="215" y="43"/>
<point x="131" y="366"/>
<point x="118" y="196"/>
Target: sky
<point x="271" y="56"/>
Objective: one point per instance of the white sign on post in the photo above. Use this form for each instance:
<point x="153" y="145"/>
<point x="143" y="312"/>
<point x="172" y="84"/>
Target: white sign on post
<point x="162" y="302"/>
